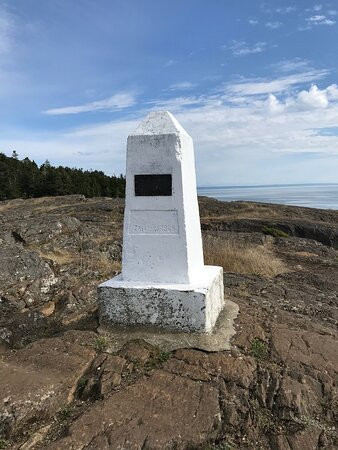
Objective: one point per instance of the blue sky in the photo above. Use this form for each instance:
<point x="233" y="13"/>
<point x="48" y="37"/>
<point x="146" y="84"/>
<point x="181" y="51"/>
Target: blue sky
<point x="254" y="83"/>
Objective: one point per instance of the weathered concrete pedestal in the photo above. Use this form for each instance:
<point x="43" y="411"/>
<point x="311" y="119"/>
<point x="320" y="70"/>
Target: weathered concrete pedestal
<point x="164" y="281"/>
<point x="184" y="307"/>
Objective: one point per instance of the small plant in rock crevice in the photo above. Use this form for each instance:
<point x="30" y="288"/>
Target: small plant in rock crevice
<point x="100" y="344"/>
<point x="259" y="349"/>
<point x="65" y="412"/>
<point x="81" y="385"/>
<point x="157" y="360"/>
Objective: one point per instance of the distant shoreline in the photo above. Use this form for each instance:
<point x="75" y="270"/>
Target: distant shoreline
<point x="264" y="185"/>
<point x="311" y="195"/>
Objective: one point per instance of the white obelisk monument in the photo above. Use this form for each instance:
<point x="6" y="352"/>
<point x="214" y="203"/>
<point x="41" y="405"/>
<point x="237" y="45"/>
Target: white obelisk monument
<point x="164" y="281"/>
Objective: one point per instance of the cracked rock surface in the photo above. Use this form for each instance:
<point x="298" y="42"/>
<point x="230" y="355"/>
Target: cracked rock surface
<point x="61" y="387"/>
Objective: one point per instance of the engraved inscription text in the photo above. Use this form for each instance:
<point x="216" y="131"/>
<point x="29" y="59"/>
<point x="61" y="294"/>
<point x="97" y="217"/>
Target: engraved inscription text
<point x="153" y="222"/>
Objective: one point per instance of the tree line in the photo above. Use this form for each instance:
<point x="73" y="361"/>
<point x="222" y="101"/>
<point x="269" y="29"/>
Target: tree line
<point x="25" y="179"/>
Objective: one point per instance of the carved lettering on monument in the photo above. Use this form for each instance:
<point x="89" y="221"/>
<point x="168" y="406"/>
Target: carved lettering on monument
<point x="153" y="222"/>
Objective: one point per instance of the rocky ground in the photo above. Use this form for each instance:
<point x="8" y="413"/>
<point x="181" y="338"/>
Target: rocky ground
<point x="61" y="387"/>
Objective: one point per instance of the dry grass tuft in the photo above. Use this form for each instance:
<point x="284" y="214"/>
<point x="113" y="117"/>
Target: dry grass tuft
<point x="61" y="258"/>
<point x="99" y="262"/>
<point x="105" y="265"/>
<point x="241" y="258"/>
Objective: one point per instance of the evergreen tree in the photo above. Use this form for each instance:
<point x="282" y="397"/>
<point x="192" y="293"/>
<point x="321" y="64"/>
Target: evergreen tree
<point x="25" y="179"/>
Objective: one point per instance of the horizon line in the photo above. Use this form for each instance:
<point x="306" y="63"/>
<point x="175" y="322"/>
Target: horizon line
<point x="264" y="185"/>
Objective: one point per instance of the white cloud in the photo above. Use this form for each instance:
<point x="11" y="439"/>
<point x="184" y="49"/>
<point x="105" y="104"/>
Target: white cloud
<point x="305" y="100"/>
<point x="316" y="18"/>
<point x="317" y="7"/>
<point x="184" y="85"/>
<point x="113" y="103"/>
<point x="332" y="92"/>
<point x="242" y="48"/>
<point x="327" y="22"/>
<point x="273" y="104"/>
<point x="320" y="20"/>
<point x="253" y="21"/>
<point x="273" y="25"/>
<point x="314" y="98"/>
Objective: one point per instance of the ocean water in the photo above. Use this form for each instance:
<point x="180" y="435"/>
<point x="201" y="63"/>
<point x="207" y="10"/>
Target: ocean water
<point x="311" y="195"/>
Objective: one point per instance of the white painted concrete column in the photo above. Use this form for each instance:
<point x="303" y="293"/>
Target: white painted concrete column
<point x="162" y="237"/>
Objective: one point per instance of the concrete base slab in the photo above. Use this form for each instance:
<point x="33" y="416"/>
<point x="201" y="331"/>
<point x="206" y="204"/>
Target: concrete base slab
<point x="216" y="341"/>
<point x="180" y="307"/>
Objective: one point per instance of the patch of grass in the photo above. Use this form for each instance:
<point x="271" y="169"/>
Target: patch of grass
<point x="241" y="258"/>
<point x="265" y="420"/>
<point x="157" y="360"/>
<point x="3" y="444"/>
<point x="100" y="344"/>
<point x="65" y="412"/>
<point x="163" y="357"/>
<point x="259" y="349"/>
<point x="275" y="232"/>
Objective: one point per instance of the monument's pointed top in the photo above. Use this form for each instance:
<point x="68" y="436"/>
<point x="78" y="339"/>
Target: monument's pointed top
<point x="159" y="122"/>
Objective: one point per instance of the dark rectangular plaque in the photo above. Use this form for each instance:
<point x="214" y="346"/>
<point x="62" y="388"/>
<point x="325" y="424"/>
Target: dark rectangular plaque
<point x="149" y="185"/>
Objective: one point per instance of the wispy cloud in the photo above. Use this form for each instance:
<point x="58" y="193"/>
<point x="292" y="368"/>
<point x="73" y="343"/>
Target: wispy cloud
<point x="6" y="31"/>
<point x="170" y="62"/>
<point x="182" y="86"/>
<point x="242" y="48"/>
<point x="253" y="21"/>
<point x="113" y="103"/>
<point x="286" y="10"/>
<point x="273" y="25"/>
<point x="291" y="65"/>
<point x="178" y="103"/>
<point x="259" y="86"/>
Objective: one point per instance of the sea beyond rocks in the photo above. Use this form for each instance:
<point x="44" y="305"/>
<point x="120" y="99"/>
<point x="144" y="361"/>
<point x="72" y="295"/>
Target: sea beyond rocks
<point x="62" y="387"/>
